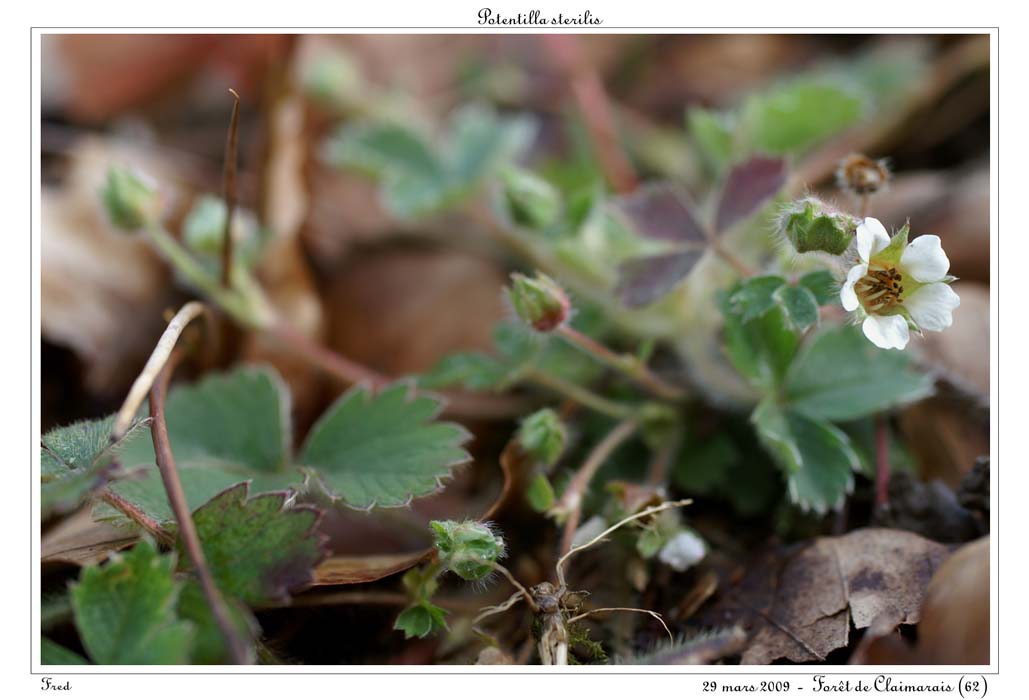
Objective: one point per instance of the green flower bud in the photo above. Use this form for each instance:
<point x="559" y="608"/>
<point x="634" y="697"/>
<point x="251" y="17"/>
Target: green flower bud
<point x="539" y="302"/>
<point x="469" y="549"/>
<point x="130" y="198"/>
<point x="810" y="225"/>
<point x="531" y="201"/>
<point x="543" y="436"/>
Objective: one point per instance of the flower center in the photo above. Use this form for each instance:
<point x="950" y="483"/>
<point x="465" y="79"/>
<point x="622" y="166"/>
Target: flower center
<point x="880" y="290"/>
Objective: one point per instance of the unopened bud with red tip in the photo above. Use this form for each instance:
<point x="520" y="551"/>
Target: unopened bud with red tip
<point x="540" y="302"/>
<point x="130" y="198"/>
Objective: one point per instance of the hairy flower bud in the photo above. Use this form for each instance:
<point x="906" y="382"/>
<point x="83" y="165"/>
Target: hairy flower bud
<point x="810" y="225"/>
<point x="469" y="549"/>
<point x="543" y="436"/>
<point x="531" y="201"/>
<point x="129" y="197"/>
<point x="861" y="175"/>
<point x="540" y="302"/>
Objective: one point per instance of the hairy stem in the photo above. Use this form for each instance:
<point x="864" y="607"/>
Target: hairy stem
<point x="571" y="501"/>
<point x="580" y="395"/>
<point x="628" y="365"/>
<point x="129" y="510"/>
<point x="187" y="530"/>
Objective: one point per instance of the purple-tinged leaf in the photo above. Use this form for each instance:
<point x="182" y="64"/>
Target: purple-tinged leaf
<point x="259" y="548"/>
<point x="749" y="185"/>
<point x="662" y="211"/>
<point x="645" y="280"/>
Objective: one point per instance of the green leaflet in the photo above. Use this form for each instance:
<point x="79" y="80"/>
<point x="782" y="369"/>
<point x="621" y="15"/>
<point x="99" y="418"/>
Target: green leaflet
<point x="125" y="610"/>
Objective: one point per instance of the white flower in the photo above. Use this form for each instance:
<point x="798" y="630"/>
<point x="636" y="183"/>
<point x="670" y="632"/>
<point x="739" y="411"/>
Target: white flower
<point x="898" y="285"/>
<point x="683" y="551"/>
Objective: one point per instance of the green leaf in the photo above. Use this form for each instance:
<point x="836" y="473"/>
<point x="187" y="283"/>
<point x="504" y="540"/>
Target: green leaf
<point x="481" y="141"/>
<point x="529" y="200"/>
<point x="421" y="620"/>
<point x="540" y="493"/>
<point x="125" y="610"/>
<point x="755" y="296"/>
<point x="237" y="419"/>
<point x="75" y="460"/>
<point x="413" y="178"/>
<point x="53" y="654"/>
<point x="817" y="458"/>
<point x="762" y="349"/>
<point x="822" y="285"/>
<point x="799" y="306"/>
<point x="382" y="450"/>
<point x="474" y="371"/>
<point x="226" y="429"/>
<point x="797" y="115"/>
<point x="258" y="549"/>
<point x="209" y="642"/>
<point x="840" y="376"/>
<point x="713" y="136"/>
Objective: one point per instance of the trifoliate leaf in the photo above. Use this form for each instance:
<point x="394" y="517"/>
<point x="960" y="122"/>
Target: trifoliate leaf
<point x="474" y="371"/>
<point x="761" y="349"/>
<point x="713" y="136"/>
<point x="421" y="620"/>
<point x="799" y="306"/>
<point x="75" y="460"/>
<point x="257" y="548"/>
<point x="816" y="457"/>
<point x="125" y="610"/>
<point x="382" y="450"/>
<point x="226" y="429"/>
<point x="412" y="176"/>
<point x="755" y="296"/>
<point x="53" y="654"/>
<point x="840" y="376"/>
<point x="481" y="141"/>
<point x="822" y="284"/>
<point x="645" y="280"/>
<point x="750" y="185"/>
<point x="797" y="115"/>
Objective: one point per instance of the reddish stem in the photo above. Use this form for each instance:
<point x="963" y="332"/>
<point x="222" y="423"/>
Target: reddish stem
<point x="596" y="110"/>
<point x="187" y="530"/>
<point x="229" y="191"/>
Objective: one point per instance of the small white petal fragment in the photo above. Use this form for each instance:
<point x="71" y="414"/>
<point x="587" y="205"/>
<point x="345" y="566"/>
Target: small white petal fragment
<point x="925" y="260"/>
<point x="871" y="238"/>
<point x="683" y="551"/>
<point x="932" y="306"/>
<point x="847" y="294"/>
<point x="887" y="332"/>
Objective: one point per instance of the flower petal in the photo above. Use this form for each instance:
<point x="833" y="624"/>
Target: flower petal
<point x="932" y="306"/>
<point x="847" y="294"/>
<point x="887" y="331"/>
<point x="871" y="238"/>
<point x="925" y="260"/>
